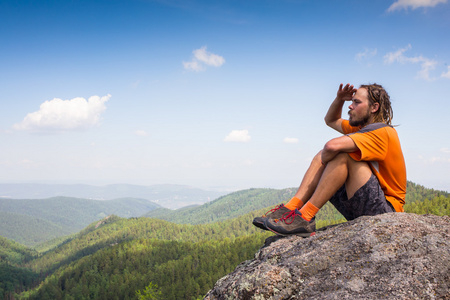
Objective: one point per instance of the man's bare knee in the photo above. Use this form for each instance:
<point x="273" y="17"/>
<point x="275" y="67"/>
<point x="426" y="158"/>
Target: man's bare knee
<point x="342" y="158"/>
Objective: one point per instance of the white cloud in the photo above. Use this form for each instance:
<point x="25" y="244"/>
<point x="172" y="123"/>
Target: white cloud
<point x="289" y="140"/>
<point x="141" y="133"/>
<point x="445" y="150"/>
<point x="439" y="160"/>
<point x="58" y="114"/>
<point x="405" y="4"/>
<point x="194" y="66"/>
<point x="367" y="53"/>
<point x="248" y="162"/>
<point x="203" y="58"/>
<point x="446" y="74"/>
<point x="27" y="163"/>
<point x="208" y="58"/>
<point x="427" y="64"/>
<point x="397" y="56"/>
<point x="238" y="136"/>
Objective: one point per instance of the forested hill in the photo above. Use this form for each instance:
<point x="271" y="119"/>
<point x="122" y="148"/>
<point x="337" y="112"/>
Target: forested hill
<point x="225" y="207"/>
<point x="13" y="275"/>
<point x="33" y="221"/>
<point x="115" y="257"/>
<point x="14" y="252"/>
<point x="421" y="200"/>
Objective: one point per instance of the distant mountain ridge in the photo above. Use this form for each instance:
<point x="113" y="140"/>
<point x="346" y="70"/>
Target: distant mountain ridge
<point x="245" y="201"/>
<point x="167" y="195"/>
<point x="226" y="207"/>
<point x="33" y="221"/>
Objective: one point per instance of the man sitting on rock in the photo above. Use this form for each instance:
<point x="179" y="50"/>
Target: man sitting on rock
<point x="361" y="173"/>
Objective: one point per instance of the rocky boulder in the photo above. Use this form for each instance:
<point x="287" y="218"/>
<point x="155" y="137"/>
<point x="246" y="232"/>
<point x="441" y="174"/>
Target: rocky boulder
<point x="389" y="256"/>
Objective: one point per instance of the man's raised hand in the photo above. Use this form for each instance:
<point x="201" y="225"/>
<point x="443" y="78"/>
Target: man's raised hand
<point x="346" y="93"/>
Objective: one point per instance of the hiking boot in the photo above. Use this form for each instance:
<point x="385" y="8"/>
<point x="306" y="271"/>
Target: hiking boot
<point x="292" y="223"/>
<point x="274" y="213"/>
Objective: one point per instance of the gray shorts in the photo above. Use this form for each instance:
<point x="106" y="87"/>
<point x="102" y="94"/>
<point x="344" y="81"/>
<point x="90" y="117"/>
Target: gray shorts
<point x="369" y="200"/>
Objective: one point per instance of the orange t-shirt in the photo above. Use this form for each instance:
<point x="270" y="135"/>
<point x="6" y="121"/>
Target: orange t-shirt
<point x="379" y="145"/>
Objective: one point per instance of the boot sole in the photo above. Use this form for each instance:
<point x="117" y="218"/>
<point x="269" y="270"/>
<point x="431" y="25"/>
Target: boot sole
<point x="260" y="225"/>
<point x="305" y="235"/>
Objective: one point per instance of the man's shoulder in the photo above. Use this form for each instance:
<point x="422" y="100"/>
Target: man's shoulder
<point x="373" y="127"/>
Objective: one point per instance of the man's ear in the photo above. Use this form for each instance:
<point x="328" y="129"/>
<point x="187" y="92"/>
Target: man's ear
<point x="375" y="107"/>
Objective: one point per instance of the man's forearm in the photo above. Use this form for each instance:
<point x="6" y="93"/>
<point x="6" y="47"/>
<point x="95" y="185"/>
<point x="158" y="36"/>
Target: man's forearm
<point x="343" y="144"/>
<point x="334" y="113"/>
<point x="327" y="156"/>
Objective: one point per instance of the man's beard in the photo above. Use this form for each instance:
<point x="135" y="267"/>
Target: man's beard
<point x="359" y="122"/>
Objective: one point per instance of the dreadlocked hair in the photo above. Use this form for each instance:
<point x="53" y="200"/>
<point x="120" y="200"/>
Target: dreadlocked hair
<point x="377" y="94"/>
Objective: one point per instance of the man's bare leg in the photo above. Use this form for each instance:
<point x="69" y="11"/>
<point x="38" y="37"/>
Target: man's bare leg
<point x="323" y="182"/>
<point x="339" y="171"/>
<point x="342" y="169"/>
<point x="308" y="184"/>
<point x="306" y="189"/>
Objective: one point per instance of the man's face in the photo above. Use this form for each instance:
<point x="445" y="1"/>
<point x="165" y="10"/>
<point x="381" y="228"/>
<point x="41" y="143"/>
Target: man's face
<point x="360" y="110"/>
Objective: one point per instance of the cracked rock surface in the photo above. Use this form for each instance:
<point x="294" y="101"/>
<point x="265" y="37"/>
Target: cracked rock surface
<point x="389" y="256"/>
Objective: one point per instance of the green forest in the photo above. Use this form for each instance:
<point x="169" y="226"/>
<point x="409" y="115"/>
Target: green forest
<point x="165" y="254"/>
<point x="33" y="221"/>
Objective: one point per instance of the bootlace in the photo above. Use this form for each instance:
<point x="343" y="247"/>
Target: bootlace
<point x="290" y="214"/>
<point x="274" y="209"/>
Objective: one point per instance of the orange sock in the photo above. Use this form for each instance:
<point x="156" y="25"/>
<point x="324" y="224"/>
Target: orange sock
<point x="294" y="203"/>
<point x="308" y="211"/>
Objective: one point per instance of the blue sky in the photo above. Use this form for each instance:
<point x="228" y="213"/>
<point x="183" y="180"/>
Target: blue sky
<point x="213" y="94"/>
